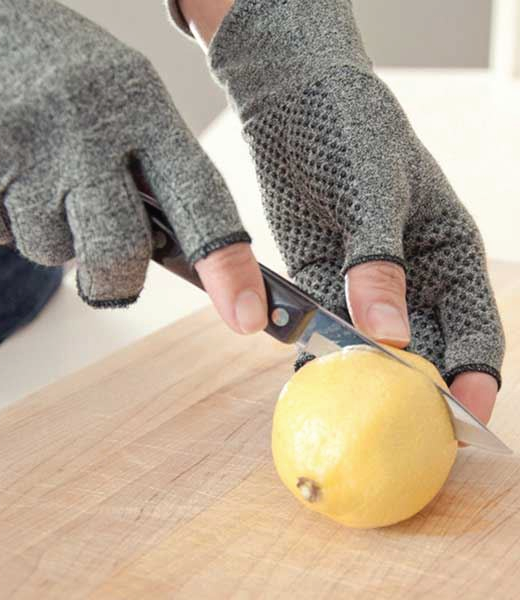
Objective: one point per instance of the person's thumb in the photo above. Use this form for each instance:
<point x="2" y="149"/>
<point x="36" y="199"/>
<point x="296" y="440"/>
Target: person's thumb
<point x="232" y="278"/>
<point x="376" y="299"/>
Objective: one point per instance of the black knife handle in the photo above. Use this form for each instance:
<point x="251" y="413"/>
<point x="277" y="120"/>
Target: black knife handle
<point x="167" y="250"/>
<point x="289" y="308"/>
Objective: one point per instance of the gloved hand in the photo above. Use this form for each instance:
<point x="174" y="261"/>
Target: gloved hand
<point x="76" y="107"/>
<point x="346" y="182"/>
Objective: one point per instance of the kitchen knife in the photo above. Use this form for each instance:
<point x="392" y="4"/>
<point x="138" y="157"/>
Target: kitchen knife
<point x="295" y="318"/>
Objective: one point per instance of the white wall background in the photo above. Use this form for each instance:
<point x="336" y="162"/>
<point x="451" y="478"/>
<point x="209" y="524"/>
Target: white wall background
<point x="426" y="33"/>
<point x="411" y="33"/>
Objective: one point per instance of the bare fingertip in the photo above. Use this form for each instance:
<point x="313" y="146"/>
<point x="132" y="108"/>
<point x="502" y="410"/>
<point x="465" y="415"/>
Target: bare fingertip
<point x="250" y="312"/>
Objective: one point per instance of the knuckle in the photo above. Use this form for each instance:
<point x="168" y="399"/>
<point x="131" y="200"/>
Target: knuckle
<point x="99" y="86"/>
<point x="380" y="275"/>
<point x="233" y="257"/>
<point x="134" y="62"/>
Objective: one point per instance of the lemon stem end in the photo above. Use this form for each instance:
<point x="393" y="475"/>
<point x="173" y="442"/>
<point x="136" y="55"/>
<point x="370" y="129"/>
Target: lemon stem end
<point x="309" y="489"/>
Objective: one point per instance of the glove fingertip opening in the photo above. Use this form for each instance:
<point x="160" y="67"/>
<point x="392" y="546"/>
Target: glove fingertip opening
<point x="479" y="367"/>
<point x="302" y="360"/>
<point x="217" y="244"/>
<point x="105" y="303"/>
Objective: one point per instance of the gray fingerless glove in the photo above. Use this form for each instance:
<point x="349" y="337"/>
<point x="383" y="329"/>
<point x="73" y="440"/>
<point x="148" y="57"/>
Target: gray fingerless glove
<point x="77" y="106"/>
<point x="345" y="180"/>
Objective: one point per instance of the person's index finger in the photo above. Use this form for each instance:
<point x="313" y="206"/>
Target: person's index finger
<point x="232" y="278"/>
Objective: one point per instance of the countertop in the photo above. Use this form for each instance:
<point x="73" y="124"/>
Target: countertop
<point x="149" y="475"/>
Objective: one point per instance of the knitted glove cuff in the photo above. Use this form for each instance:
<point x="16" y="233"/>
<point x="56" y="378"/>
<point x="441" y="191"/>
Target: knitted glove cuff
<point x="236" y="237"/>
<point x="172" y="6"/>
<point x="472" y="367"/>
<point x="266" y="48"/>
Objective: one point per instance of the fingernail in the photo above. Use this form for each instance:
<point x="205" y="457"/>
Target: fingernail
<point x="387" y="323"/>
<point x="250" y="312"/>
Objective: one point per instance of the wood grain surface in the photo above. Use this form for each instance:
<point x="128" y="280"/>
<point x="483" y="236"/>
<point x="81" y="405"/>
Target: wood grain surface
<point x="149" y="475"/>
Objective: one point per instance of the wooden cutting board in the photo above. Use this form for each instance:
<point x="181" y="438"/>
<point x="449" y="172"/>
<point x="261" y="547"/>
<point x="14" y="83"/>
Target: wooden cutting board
<point x="149" y="475"/>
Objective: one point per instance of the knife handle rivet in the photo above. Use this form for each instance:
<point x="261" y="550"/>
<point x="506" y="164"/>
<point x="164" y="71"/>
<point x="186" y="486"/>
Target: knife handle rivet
<point x="280" y="317"/>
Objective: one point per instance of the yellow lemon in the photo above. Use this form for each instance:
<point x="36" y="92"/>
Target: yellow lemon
<point x="363" y="439"/>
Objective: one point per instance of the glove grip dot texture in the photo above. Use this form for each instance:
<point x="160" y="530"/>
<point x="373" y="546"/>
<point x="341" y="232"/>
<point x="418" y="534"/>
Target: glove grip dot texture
<point x="345" y="180"/>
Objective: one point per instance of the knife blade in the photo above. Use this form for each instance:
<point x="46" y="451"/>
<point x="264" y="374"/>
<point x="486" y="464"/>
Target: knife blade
<point x="296" y="318"/>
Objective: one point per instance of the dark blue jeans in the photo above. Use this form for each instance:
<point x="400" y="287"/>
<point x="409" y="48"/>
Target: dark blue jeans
<point x="25" y="288"/>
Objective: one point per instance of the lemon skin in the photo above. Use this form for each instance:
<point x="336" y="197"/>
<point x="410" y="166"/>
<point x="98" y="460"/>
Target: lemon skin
<point x="363" y="439"/>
